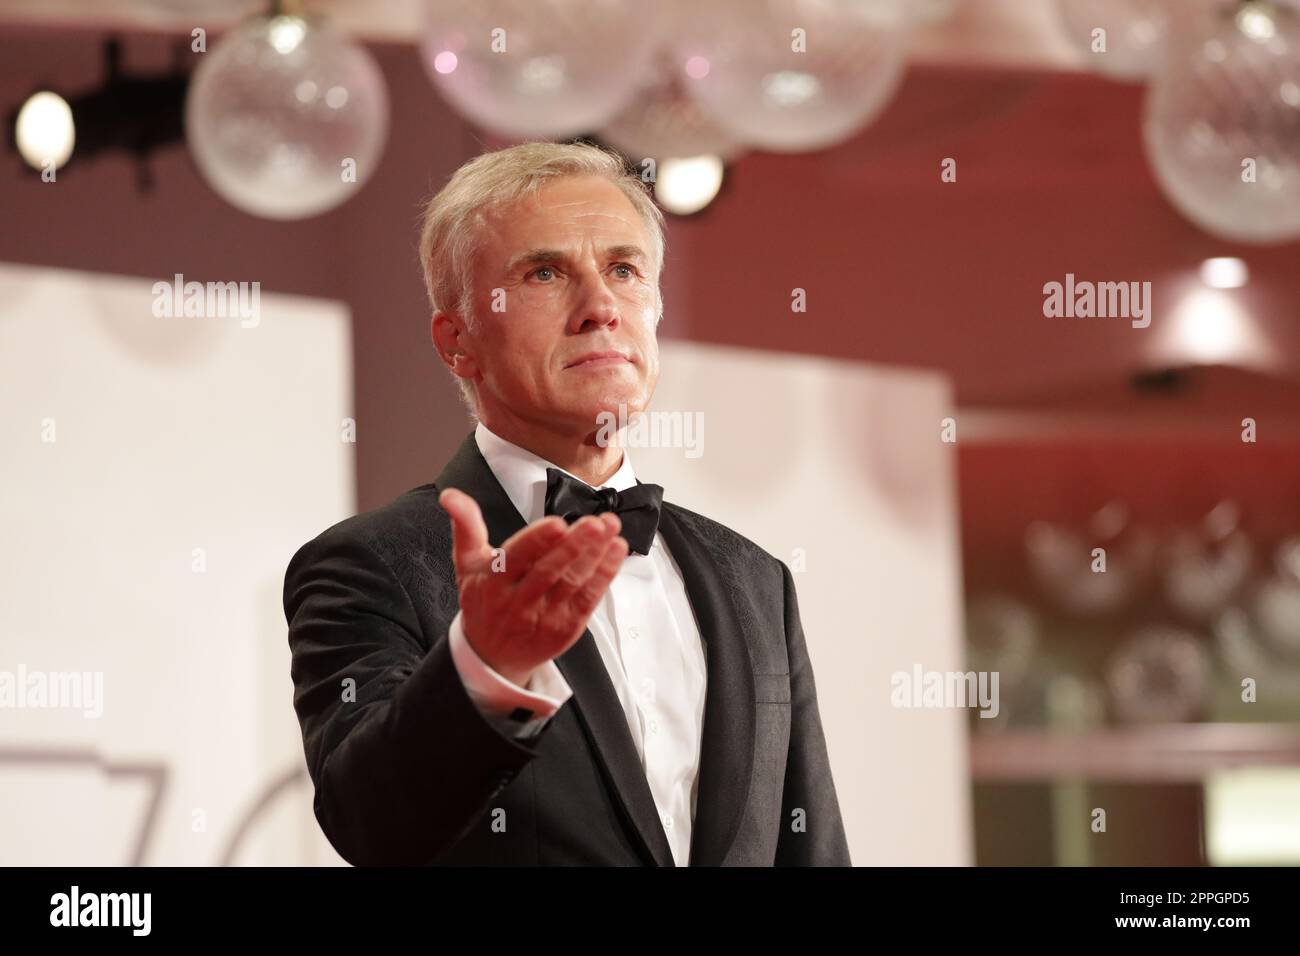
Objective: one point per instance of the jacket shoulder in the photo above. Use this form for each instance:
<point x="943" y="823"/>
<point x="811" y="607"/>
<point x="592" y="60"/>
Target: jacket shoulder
<point x="411" y="518"/>
<point x="410" y="536"/>
<point x="723" y="538"/>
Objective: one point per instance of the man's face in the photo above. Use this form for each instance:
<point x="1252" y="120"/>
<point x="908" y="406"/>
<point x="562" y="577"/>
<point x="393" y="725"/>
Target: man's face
<point x="572" y="269"/>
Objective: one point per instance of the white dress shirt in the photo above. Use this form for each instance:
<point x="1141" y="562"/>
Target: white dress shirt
<point x="648" y="638"/>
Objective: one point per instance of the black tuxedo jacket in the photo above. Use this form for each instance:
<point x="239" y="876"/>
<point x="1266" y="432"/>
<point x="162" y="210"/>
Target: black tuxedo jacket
<point x="407" y="771"/>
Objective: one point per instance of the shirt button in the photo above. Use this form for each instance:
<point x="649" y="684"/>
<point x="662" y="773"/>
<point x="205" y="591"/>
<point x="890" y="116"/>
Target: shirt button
<point x="634" y="632"/>
<point x="668" y="822"/>
<point x="654" y="726"/>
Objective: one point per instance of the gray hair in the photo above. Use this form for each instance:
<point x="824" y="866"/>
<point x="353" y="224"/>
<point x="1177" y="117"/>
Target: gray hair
<point x="451" y="220"/>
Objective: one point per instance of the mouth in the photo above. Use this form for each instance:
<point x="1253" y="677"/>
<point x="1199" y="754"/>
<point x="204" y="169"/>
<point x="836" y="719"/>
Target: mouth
<point x="597" y="359"/>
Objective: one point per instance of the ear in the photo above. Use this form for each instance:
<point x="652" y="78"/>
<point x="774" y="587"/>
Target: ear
<point x="455" y="347"/>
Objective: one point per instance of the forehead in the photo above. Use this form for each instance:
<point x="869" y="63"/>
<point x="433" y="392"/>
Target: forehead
<point x="567" y="210"/>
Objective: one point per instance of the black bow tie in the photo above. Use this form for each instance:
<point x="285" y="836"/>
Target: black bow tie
<point x="637" y="507"/>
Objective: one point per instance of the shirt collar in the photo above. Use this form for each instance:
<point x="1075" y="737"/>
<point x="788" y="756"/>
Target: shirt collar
<point x="523" y="474"/>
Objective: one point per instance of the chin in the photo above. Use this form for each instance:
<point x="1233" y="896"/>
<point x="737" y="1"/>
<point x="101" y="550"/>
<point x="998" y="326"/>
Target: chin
<point x="628" y="404"/>
<point x="599" y="409"/>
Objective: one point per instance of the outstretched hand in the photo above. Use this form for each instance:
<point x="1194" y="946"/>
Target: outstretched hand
<point x="530" y="603"/>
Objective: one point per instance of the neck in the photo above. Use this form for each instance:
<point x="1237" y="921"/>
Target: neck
<point x="576" y="453"/>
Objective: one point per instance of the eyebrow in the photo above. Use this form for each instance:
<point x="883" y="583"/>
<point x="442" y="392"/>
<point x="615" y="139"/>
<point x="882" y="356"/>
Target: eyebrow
<point x="534" y="257"/>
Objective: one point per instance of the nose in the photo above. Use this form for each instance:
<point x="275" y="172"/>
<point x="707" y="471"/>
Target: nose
<point x="596" y="305"/>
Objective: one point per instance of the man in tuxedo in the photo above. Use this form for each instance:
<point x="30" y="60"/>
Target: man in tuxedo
<point x="536" y="659"/>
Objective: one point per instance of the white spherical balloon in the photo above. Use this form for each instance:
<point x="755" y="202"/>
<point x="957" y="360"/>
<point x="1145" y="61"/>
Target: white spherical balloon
<point x="1133" y="34"/>
<point x="539" y="68"/>
<point x="663" y="122"/>
<point x="285" y="118"/>
<point x="793" y="75"/>
<point x="1161" y="675"/>
<point x="1222" y="127"/>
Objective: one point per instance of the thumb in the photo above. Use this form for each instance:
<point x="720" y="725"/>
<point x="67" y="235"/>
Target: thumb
<point x="470" y="550"/>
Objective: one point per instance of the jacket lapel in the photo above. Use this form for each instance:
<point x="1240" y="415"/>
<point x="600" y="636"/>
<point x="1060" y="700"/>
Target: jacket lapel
<point x="727" y="747"/>
<point x="594" y="697"/>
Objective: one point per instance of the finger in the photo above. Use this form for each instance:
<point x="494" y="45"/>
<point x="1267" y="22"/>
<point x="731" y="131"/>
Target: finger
<point x="469" y="538"/>
<point x="590" y="594"/>
<point x="574" y="576"/>
<point x="528" y="545"/>
<point x="588" y="533"/>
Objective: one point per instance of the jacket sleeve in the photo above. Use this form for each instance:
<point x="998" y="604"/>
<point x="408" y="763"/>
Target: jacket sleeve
<point x="808" y="783"/>
<point x="402" y="761"/>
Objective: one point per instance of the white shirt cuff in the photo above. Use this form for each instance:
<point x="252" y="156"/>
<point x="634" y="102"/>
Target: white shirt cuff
<point x="497" y="698"/>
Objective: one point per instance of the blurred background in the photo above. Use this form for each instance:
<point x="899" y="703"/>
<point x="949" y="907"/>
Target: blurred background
<point x="866" y="202"/>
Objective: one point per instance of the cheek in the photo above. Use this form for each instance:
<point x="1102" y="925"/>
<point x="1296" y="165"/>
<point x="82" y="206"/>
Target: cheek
<point x="652" y="368"/>
<point x="642" y="309"/>
<point x="644" y="296"/>
<point x="516" y="358"/>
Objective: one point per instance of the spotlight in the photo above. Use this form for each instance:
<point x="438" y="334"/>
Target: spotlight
<point x="44" y="131"/>
<point x="1224" y="273"/>
<point x="138" y="115"/>
<point x="685" y="186"/>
